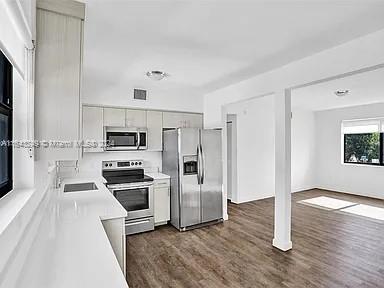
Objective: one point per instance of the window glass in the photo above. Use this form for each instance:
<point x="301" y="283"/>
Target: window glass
<point x="362" y="148"/>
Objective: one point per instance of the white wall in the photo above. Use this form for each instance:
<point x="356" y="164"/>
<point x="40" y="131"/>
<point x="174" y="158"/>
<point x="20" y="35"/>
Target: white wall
<point x="303" y="150"/>
<point x="360" y="53"/>
<point x="256" y="154"/>
<point x="91" y="162"/>
<point x="331" y="173"/>
<point x="255" y="149"/>
<point x="121" y="94"/>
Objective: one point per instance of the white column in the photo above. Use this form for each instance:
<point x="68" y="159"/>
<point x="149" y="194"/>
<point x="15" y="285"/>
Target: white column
<point x="282" y="236"/>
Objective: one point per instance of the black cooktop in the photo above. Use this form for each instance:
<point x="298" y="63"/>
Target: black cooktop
<point x="126" y="176"/>
<point x="127" y="179"/>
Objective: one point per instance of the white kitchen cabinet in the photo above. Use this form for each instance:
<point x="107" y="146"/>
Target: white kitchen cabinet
<point x="193" y="120"/>
<point x="93" y="127"/>
<point x="161" y="191"/>
<point x="155" y="130"/>
<point x="114" y="117"/>
<point x="183" y="120"/>
<point x="173" y="120"/>
<point x="115" y="230"/>
<point x="135" y="118"/>
<point x="59" y="45"/>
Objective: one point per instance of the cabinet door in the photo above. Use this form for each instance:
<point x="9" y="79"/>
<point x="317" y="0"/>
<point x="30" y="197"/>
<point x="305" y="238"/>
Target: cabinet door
<point x="173" y="120"/>
<point x="93" y="127"/>
<point x="162" y="205"/>
<point x="193" y="120"/>
<point x="114" y="117"/>
<point x="155" y="130"/>
<point x="135" y="118"/>
<point x="57" y="86"/>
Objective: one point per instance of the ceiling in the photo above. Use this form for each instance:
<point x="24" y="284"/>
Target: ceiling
<point x="365" y="88"/>
<point x="206" y="45"/>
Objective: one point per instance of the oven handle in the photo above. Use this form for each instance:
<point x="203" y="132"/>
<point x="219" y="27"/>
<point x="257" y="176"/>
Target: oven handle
<point x="137" y="223"/>
<point x="116" y="189"/>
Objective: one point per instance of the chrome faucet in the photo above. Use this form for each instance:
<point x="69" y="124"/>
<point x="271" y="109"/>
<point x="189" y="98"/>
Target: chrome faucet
<point x="59" y="165"/>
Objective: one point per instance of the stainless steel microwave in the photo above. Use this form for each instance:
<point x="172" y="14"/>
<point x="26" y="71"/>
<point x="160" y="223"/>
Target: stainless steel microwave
<point x="122" y="139"/>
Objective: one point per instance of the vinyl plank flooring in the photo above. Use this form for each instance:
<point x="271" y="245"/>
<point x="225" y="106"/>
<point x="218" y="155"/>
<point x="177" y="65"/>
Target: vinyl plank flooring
<point x="330" y="249"/>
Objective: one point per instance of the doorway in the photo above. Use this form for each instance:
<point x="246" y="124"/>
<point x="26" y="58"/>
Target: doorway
<point x="231" y="156"/>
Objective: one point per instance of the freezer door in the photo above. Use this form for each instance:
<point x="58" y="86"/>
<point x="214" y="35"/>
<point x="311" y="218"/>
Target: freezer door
<point x="211" y="187"/>
<point x="190" y="210"/>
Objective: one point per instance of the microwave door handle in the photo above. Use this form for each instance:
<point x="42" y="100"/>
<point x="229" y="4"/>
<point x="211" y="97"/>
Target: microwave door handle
<point x="138" y="139"/>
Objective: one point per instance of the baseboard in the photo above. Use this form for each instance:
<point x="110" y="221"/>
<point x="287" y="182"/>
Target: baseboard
<point x="350" y="193"/>
<point x="253" y="199"/>
<point x="304" y="189"/>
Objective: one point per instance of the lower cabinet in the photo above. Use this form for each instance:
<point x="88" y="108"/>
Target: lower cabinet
<point x="115" y="230"/>
<point x="161" y="191"/>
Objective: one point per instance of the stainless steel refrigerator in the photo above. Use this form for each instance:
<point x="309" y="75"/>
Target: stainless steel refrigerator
<point x="193" y="159"/>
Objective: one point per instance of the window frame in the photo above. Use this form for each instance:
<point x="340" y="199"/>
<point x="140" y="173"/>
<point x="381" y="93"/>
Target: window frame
<point x="9" y="184"/>
<point x="381" y="144"/>
<point x="7" y="109"/>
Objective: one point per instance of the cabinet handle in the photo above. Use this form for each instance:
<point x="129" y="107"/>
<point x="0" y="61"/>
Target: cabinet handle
<point x="161" y="183"/>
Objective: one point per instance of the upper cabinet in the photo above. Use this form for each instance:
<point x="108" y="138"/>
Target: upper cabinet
<point x="173" y="120"/>
<point x="114" y="117"/>
<point x="96" y="118"/>
<point x="182" y="120"/>
<point x="93" y="127"/>
<point x="135" y="118"/>
<point x="155" y="130"/>
<point x="193" y="120"/>
<point x="59" y="39"/>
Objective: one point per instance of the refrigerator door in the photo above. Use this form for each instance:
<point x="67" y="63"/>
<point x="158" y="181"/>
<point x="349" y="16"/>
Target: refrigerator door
<point x="190" y="210"/>
<point x="171" y="167"/>
<point x="211" y="187"/>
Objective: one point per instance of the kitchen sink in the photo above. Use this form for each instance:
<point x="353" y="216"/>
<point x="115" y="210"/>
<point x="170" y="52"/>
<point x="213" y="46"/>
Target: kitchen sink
<point x="80" y="187"/>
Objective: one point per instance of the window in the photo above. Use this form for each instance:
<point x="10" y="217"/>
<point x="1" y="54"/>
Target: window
<point x="363" y="141"/>
<point x="5" y="125"/>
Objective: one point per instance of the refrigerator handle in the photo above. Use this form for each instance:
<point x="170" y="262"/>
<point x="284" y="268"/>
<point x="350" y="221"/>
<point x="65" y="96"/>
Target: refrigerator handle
<point x="198" y="165"/>
<point x="202" y="165"/>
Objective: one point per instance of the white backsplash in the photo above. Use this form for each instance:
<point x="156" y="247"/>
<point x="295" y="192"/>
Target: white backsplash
<point x="91" y="162"/>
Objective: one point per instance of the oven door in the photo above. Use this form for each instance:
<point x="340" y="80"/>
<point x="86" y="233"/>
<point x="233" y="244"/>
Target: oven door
<point x="136" y="199"/>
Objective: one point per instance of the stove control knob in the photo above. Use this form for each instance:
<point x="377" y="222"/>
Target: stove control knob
<point x="106" y="165"/>
<point x="132" y="163"/>
<point x="140" y="163"/>
<point x="110" y="164"/>
<point x="136" y="163"/>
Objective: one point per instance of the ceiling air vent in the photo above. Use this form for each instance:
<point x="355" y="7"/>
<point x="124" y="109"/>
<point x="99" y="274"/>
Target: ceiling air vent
<point x="140" y="94"/>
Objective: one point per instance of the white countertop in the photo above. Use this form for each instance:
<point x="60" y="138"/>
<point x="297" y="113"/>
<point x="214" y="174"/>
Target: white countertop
<point x="158" y="175"/>
<point x="71" y="248"/>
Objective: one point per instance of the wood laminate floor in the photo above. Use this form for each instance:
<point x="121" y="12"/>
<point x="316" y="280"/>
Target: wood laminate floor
<point x="330" y="249"/>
